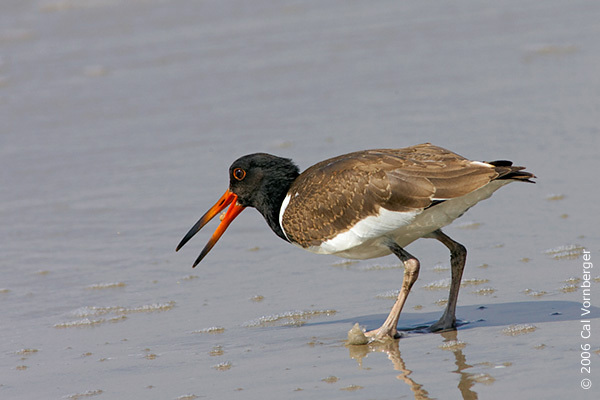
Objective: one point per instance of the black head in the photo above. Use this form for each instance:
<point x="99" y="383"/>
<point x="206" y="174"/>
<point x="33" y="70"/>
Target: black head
<point x="257" y="180"/>
<point x="260" y="179"/>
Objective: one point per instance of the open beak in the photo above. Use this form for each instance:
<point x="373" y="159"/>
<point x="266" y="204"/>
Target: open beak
<point x="233" y="211"/>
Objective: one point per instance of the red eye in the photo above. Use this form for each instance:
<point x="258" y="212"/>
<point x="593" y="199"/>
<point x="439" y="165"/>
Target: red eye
<point x="239" y="174"/>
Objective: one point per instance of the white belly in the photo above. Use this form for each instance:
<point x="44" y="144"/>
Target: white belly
<point x="369" y="237"/>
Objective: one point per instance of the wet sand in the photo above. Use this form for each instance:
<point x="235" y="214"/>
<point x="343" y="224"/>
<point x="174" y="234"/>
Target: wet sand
<point x="120" y="119"/>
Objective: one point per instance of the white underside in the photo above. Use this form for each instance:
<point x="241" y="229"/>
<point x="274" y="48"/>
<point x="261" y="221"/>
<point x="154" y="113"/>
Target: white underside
<point x="369" y="237"/>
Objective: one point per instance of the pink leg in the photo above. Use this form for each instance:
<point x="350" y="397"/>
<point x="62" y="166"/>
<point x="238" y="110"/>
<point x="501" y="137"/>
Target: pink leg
<point x="411" y="273"/>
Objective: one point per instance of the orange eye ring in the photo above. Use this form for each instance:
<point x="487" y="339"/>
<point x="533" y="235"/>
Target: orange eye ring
<point x="239" y="174"/>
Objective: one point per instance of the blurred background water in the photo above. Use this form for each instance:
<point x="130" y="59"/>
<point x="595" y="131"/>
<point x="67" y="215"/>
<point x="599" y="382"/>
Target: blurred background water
<point x="119" y="119"/>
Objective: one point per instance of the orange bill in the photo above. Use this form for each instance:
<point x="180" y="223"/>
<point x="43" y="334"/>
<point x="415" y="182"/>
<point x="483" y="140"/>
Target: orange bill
<point x="233" y="211"/>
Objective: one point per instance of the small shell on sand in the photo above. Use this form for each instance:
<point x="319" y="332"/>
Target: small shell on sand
<point x="356" y="336"/>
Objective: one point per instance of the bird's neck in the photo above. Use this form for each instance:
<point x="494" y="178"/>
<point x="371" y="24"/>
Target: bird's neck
<point x="272" y="218"/>
<point x="270" y="204"/>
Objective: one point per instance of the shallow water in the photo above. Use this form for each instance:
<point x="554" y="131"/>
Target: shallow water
<point x="120" y="119"/>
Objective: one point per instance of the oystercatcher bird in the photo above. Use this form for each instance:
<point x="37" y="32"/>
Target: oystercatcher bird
<point x="364" y="205"/>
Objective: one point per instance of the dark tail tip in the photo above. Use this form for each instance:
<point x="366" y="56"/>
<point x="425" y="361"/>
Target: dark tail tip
<point x="506" y="170"/>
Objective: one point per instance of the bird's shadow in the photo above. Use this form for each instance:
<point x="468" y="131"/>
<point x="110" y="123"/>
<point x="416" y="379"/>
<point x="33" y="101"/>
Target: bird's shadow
<point x="484" y="315"/>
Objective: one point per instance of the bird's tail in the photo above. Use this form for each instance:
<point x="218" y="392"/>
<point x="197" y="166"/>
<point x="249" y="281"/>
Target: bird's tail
<point x="506" y="170"/>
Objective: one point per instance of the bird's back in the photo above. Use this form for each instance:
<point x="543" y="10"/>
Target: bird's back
<point x="333" y="196"/>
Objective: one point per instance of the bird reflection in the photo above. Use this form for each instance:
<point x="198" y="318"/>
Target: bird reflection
<point x="391" y="349"/>
<point x="466" y="381"/>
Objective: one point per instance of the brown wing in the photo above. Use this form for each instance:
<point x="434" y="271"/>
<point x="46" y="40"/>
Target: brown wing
<point x="450" y="174"/>
<point x="333" y="195"/>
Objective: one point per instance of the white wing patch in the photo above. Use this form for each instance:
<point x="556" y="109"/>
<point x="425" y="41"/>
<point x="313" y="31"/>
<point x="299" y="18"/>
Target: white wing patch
<point x="483" y="164"/>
